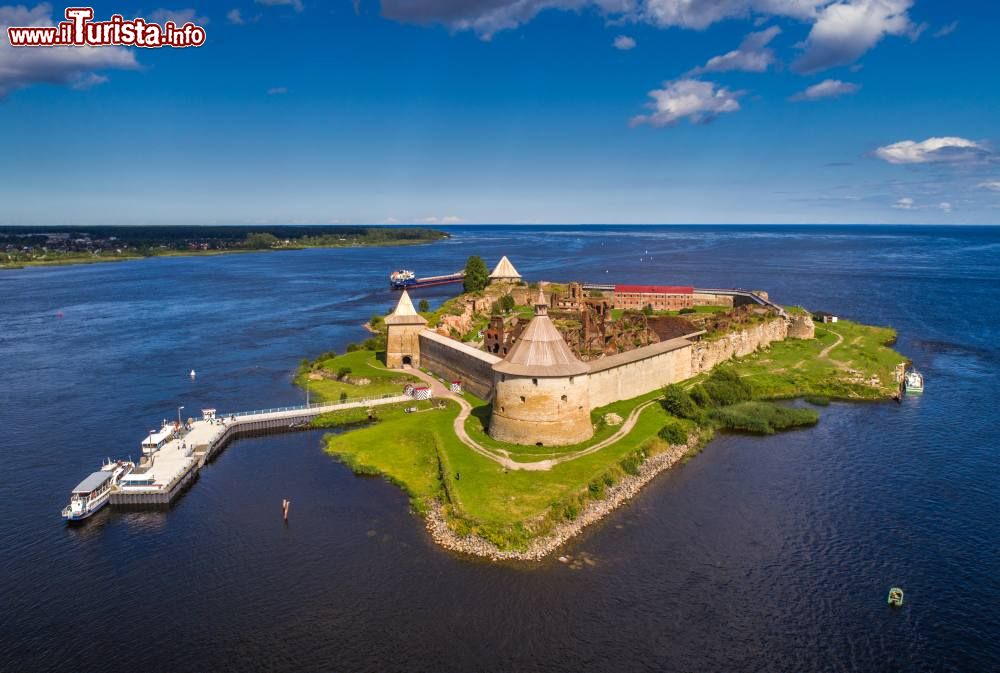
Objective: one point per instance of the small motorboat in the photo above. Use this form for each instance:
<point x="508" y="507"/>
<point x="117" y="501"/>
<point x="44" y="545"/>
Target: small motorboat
<point x="895" y="597"/>
<point x="913" y="383"/>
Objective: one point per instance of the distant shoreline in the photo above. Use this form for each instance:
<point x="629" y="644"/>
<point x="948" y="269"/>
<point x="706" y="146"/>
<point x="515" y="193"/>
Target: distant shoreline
<point x="12" y="266"/>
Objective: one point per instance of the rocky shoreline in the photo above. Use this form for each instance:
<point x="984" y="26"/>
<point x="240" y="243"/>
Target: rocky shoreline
<point x="617" y="495"/>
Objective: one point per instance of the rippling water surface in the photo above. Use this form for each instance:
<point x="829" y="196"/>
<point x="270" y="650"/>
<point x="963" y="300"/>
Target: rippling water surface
<point x="762" y="554"/>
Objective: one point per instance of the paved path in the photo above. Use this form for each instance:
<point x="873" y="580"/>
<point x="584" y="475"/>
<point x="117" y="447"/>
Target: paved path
<point x="503" y="458"/>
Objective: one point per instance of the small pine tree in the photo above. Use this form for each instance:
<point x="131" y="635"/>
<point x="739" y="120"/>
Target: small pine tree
<point x="424" y="306"/>
<point x="476" y="274"/>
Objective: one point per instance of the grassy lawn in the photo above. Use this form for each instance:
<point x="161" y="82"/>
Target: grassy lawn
<point x="421" y="454"/>
<point x="861" y="366"/>
<point x="363" y="364"/>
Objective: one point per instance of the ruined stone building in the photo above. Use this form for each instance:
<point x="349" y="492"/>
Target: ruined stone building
<point x="660" y="297"/>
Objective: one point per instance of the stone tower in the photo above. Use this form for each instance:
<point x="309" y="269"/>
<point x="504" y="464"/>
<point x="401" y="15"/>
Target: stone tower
<point x="541" y="390"/>
<point x="403" y="327"/>
<point x="504" y="272"/>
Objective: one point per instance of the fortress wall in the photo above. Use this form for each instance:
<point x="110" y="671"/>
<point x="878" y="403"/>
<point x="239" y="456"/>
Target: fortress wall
<point x="703" y="299"/>
<point x="707" y="354"/>
<point x="637" y="372"/>
<point x="454" y="361"/>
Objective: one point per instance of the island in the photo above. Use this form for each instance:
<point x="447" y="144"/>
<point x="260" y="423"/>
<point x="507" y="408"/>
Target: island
<point x="50" y="246"/>
<point x="535" y="409"/>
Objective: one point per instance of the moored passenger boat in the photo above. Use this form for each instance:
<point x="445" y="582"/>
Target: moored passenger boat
<point x="94" y="492"/>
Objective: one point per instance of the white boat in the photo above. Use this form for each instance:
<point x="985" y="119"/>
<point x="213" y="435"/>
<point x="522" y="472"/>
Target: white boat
<point x="94" y="492"/>
<point x="193" y="374"/>
<point x="914" y="382"/>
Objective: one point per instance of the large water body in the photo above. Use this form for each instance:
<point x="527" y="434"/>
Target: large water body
<point x="762" y="554"/>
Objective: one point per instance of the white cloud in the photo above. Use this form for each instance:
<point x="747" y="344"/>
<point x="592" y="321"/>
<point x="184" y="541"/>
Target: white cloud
<point x="947" y="149"/>
<point x="488" y="17"/>
<point x="842" y="30"/>
<point x="992" y="185"/>
<point x="828" y="88"/>
<point x="624" y="43"/>
<point x="178" y="16"/>
<point x="846" y="30"/>
<point x="699" y="101"/>
<point x="905" y="203"/>
<point x="277" y="91"/>
<point x="751" y="56"/>
<point x="946" y="30"/>
<point x="447" y="219"/>
<point x="235" y="16"/>
<point x="945" y="206"/>
<point x="700" y="14"/>
<point x="75" y="67"/>
<point x="294" y="4"/>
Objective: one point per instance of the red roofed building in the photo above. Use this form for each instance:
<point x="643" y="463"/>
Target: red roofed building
<point x="660" y="297"/>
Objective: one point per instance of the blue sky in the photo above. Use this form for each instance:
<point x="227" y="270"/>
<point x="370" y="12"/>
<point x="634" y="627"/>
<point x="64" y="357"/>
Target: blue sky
<point x="512" y="111"/>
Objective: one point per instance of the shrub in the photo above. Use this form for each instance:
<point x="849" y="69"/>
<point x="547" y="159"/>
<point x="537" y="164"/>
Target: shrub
<point x="685" y="311"/>
<point x="596" y="489"/>
<point x="725" y="387"/>
<point x="343" y="396"/>
<point x="701" y="397"/>
<point x="343" y="371"/>
<point x="632" y="462"/>
<point x="424" y="306"/>
<point x="673" y="433"/>
<point x="678" y="402"/>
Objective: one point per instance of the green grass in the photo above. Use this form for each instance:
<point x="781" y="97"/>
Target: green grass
<point x="763" y="418"/>
<point x="420" y="453"/>
<point x="860" y="368"/>
<point x="364" y="364"/>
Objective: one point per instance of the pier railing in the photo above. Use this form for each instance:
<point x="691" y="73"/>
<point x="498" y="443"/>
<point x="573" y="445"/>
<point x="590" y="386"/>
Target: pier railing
<point x="309" y="407"/>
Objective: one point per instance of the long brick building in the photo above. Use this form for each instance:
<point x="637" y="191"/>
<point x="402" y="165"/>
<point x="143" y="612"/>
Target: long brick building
<point x="660" y="297"/>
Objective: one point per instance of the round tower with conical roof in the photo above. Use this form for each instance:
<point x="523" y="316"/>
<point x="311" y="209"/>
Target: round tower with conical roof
<point x="403" y="327"/>
<point x="541" y="393"/>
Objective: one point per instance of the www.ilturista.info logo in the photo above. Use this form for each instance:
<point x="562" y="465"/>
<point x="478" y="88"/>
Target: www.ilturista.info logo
<point x="79" y="30"/>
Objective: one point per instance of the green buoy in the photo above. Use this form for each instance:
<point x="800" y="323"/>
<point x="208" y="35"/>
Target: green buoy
<point x="896" y="597"/>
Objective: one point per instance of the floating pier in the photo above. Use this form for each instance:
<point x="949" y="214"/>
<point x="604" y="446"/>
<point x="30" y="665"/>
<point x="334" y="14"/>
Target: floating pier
<point x="173" y="456"/>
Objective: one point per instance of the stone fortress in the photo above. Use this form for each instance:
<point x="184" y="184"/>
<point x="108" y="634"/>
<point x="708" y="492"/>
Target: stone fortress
<point x="543" y="389"/>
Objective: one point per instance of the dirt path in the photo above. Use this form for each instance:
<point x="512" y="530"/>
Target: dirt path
<point x="825" y="353"/>
<point x="440" y="391"/>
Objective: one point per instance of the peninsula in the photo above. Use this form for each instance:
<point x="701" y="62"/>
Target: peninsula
<point x="51" y="246"/>
<point x="537" y="408"/>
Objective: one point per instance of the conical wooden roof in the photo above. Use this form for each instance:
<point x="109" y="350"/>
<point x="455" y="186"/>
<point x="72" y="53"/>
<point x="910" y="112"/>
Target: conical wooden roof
<point x="504" y="270"/>
<point x="541" y="350"/>
<point x="404" y="313"/>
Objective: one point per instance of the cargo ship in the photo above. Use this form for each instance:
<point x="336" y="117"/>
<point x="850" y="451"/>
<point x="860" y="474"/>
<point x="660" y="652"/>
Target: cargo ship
<point x="404" y="279"/>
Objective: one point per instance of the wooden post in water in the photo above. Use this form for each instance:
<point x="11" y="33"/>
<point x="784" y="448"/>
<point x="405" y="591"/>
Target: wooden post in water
<point x="285" y="504"/>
